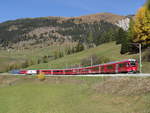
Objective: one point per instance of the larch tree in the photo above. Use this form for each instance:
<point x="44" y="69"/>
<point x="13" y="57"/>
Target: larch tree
<point x="148" y="4"/>
<point x="141" y="26"/>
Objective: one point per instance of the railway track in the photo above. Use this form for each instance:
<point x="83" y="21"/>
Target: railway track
<point x="111" y="75"/>
<point x="89" y="75"/>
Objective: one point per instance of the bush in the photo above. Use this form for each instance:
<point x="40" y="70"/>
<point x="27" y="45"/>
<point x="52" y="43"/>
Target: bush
<point x="45" y="59"/>
<point x="146" y="56"/>
<point x="41" y="76"/>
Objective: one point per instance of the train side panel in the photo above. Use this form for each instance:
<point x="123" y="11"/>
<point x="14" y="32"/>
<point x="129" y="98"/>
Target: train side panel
<point x="125" y="66"/>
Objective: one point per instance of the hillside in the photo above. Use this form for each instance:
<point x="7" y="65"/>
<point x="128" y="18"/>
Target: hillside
<point x="111" y="52"/>
<point x="29" y="32"/>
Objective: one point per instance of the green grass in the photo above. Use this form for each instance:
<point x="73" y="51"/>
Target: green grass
<point x="146" y="67"/>
<point x="67" y="97"/>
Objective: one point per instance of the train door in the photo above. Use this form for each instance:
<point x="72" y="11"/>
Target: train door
<point x="89" y="70"/>
<point x="52" y="72"/>
<point x="122" y="67"/>
<point x="116" y="70"/>
<point x="74" y="71"/>
<point x="102" y="69"/>
<point x="99" y="69"/>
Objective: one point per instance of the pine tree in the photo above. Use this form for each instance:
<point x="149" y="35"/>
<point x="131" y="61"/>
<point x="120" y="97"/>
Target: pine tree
<point x="124" y="38"/>
<point x="124" y="47"/>
<point x="121" y="35"/>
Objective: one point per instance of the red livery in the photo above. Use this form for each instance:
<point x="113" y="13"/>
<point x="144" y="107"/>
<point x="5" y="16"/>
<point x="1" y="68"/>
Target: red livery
<point x="124" y="66"/>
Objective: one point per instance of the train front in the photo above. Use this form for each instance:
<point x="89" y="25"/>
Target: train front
<point x="133" y="66"/>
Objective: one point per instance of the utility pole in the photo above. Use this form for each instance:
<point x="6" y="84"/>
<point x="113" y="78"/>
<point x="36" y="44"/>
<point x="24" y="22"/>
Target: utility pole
<point x="139" y="45"/>
<point x="91" y="61"/>
<point x="140" y="57"/>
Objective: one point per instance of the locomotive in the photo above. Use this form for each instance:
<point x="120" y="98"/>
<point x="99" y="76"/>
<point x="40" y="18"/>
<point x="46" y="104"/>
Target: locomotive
<point x="123" y="66"/>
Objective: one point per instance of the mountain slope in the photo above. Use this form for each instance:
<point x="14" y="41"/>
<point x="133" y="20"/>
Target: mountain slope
<point x="23" y="33"/>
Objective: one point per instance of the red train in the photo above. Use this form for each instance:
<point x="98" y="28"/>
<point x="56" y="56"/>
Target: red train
<point x="124" y="66"/>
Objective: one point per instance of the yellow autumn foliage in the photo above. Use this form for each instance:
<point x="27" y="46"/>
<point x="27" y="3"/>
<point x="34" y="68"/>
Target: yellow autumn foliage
<point x="41" y="76"/>
<point x="141" y="26"/>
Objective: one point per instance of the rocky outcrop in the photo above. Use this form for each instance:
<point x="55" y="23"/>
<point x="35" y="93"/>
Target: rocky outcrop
<point x="123" y="23"/>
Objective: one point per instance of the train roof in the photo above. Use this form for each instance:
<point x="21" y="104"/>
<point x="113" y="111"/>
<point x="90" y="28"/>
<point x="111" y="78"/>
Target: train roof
<point x="92" y="65"/>
<point x="111" y="62"/>
<point x="119" y="61"/>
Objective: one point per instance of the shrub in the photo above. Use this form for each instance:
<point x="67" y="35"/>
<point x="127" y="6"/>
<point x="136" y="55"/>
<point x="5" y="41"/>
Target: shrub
<point x="45" y="59"/>
<point x="41" y="76"/>
<point x="146" y="56"/>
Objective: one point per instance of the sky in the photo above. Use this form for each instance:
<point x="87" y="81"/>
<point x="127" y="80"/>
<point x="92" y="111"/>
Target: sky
<point x="14" y="9"/>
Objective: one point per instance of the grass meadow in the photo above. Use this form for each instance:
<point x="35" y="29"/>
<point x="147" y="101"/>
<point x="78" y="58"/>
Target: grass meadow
<point x="67" y="95"/>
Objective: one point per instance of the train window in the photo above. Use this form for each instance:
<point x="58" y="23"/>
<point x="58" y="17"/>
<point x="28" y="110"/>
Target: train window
<point x="68" y="70"/>
<point x="86" y="69"/>
<point x="122" y="65"/>
<point x="96" y="68"/>
<point x="46" y="71"/>
<point x="132" y="63"/>
<point x="58" y="71"/>
<point x="110" y="67"/>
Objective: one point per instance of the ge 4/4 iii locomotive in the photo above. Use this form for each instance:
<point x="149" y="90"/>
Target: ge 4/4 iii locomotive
<point x="124" y="66"/>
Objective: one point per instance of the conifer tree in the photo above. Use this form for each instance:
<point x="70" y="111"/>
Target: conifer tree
<point x="124" y="46"/>
<point x="121" y="35"/>
<point x="148" y="4"/>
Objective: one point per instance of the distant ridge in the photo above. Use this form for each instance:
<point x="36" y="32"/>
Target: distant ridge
<point x="108" y="17"/>
<point x="32" y="31"/>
